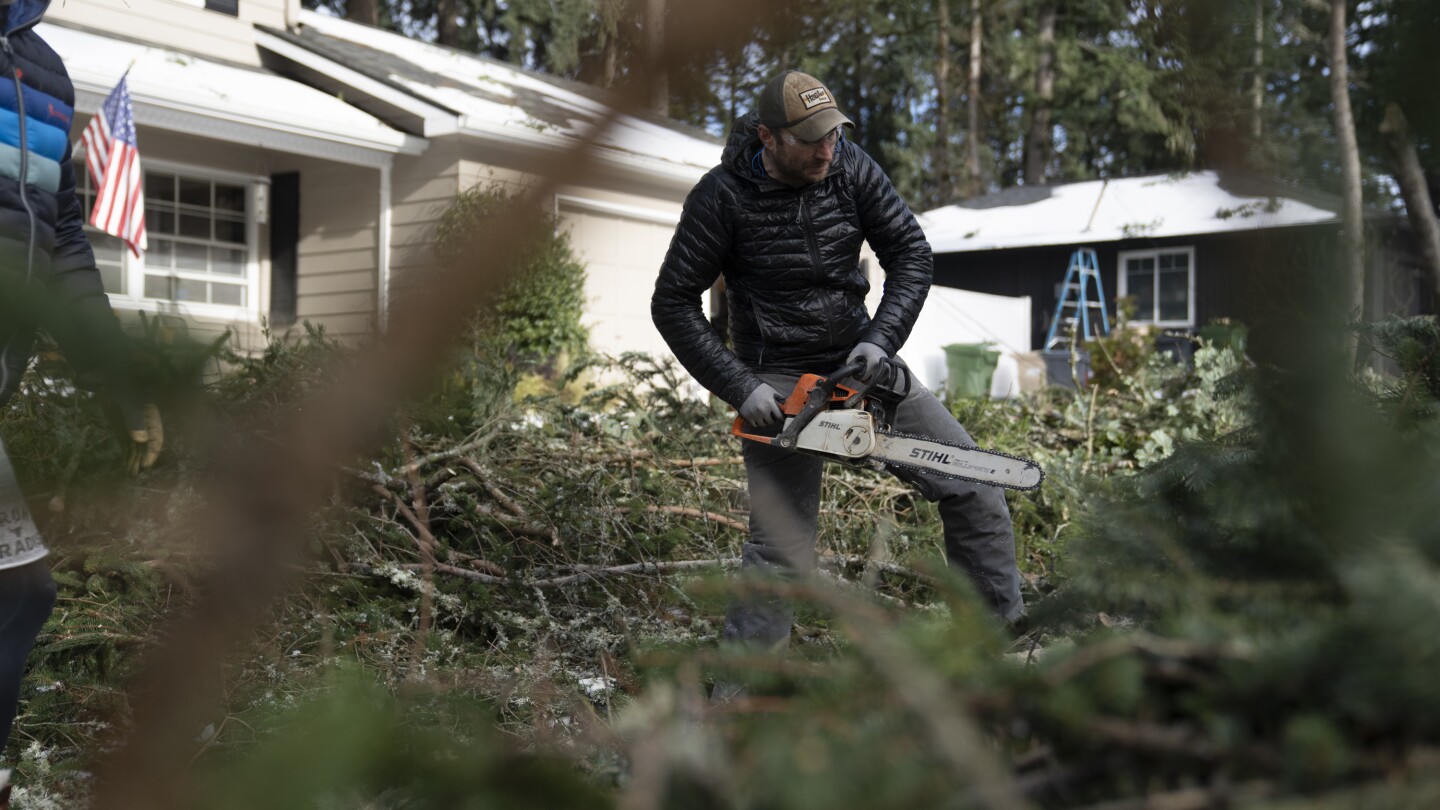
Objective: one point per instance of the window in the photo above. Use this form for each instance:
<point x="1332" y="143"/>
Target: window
<point x="1162" y="282"/>
<point x="199" y="230"/>
<point x="231" y="7"/>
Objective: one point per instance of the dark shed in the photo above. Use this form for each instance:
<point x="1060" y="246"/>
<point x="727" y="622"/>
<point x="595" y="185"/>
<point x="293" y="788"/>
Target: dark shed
<point x="1188" y="248"/>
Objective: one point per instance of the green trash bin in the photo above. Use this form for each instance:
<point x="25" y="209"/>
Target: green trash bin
<point x="970" y="367"/>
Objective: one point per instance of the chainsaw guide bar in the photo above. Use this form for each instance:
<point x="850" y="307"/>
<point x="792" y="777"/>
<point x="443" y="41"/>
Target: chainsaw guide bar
<point x="827" y="419"/>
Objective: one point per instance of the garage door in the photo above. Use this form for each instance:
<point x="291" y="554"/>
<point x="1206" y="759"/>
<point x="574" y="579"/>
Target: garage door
<point x="622" y="250"/>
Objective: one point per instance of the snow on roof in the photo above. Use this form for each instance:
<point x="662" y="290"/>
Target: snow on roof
<point x="497" y="99"/>
<point x="1108" y="211"/>
<point x="161" y="79"/>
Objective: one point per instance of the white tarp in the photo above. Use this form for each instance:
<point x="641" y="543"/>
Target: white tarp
<point x="961" y="316"/>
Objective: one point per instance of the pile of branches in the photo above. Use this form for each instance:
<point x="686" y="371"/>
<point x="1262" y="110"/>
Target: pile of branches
<point x="1241" y="618"/>
<point x="574" y="517"/>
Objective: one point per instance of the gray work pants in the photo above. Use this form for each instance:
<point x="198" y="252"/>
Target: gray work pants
<point x="784" y="509"/>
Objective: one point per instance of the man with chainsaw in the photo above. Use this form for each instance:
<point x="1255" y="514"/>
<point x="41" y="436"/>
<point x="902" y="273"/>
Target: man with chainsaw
<point x="782" y="219"/>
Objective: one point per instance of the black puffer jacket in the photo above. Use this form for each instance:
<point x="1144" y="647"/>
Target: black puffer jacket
<point x="790" y="258"/>
<point x="47" y="270"/>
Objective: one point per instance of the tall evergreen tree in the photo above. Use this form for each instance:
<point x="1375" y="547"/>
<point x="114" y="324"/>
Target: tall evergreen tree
<point x="1040" y="104"/>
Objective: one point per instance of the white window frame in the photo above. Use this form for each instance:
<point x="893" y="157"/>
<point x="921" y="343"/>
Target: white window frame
<point x="133" y="298"/>
<point x="1122" y="282"/>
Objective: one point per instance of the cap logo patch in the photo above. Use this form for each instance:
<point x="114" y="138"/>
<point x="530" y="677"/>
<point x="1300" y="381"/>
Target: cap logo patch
<point x="814" y="97"/>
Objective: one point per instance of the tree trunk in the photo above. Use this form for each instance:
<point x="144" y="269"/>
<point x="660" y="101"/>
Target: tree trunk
<point x="1418" y="204"/>
<point x="609" y="61"/>
<point x="1038" y="144"/>
<point x="944" y="184"/>
<point x="1257" y="81"/>
<point x="447" y="23"/>
<point x="363" y="11"/>
<point x="655" y="53"/>
<point x="974" y="182"/>
<point x="1353" y="242"/>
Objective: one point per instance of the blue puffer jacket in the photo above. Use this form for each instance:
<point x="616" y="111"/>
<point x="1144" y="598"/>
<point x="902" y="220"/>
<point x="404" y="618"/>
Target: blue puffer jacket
<point x="48" y="277"/>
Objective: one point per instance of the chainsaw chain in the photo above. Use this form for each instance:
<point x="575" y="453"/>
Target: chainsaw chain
<point x="939" y="474"/>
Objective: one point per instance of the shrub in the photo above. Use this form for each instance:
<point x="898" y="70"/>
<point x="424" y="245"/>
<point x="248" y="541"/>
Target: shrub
<point x="538" y="317"/>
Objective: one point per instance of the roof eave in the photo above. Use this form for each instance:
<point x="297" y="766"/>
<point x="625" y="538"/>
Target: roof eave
<point x="678" y="175"/>
<point x="436" y="121"/>
<point x="166" y="114"/>
<point x="1111" y="239"/>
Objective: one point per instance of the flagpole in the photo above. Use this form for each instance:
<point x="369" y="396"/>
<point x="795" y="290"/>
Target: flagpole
<point x="113" y="159"/>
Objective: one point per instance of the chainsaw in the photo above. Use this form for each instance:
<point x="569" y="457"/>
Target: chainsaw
<point x="826" y="418"/>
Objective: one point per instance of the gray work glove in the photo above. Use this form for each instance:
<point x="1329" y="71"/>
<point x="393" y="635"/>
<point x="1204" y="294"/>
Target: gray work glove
<point x="762" y="407"/>
<point x="869" y="354"/>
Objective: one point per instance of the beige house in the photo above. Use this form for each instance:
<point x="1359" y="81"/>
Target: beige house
<point x="296" y="163"/>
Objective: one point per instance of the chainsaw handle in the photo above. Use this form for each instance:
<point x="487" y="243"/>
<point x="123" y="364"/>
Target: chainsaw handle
<point x="801" y="413"/>
<point x="886" y="378"/>
<point x="738" y="430"/>
<point x="818" y="400"/>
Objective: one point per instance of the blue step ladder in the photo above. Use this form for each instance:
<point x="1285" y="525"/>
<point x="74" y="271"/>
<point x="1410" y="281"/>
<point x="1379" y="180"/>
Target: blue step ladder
<point x="1077" y="300"/>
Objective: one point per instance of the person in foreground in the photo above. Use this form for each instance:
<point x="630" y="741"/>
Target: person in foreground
<point x="48" y="279"/>
<point x="782" y="219"/>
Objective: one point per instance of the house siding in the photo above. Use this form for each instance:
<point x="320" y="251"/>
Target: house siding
<point x="179" y="25"/>
<point x="422" y="188"/>
<point x="1248" y="276"/>
<point x="339" y="215"/>
<point x="336" y="278"/>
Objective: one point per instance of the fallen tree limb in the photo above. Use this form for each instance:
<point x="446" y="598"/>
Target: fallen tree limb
<point x="686" y="511"/>
<point x="581" y="572"/>
<point x="584" y="572"/>
<point x="648" y="455"/>
<point x="839" y="560"/>
<point x="1137" y="642"/>
<point x="1152" y="737"/>
<point x="484" y="476"/>
<point x="1192" y="798"/>
<point x="444" y="455"/>
<point x="632" y="568"/>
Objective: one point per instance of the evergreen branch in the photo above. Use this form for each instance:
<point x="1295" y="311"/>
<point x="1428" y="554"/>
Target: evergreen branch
<point x="1096" y="654"/>
<point x="1194" y="798"/>
<point x="686" y="511"/>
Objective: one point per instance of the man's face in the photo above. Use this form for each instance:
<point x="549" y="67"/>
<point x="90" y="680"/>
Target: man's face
<point x="797" y="162"/>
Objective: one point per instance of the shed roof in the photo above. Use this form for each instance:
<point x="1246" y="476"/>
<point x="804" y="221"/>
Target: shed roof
<point x="1153" y="206"/>
<point x="491" y="99"/>
<point x="188" y="93"/>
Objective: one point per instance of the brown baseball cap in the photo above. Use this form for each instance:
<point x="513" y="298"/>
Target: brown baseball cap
<point x="800" y="103"/>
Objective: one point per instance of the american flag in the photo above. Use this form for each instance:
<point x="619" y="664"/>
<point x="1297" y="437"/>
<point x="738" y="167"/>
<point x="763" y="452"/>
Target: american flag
<point x="114" y="161"/>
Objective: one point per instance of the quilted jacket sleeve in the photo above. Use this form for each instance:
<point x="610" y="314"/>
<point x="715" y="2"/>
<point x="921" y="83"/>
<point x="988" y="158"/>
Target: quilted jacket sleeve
<point x="902" y="249"/>
<point x="81" y="320"/>
<point x="694" y="261"/>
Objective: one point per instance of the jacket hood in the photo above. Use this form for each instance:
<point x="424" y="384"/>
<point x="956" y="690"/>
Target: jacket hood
<point x="743" y="147"/>
<point x="23" y="14"/>
<point x="742" y="153"/>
